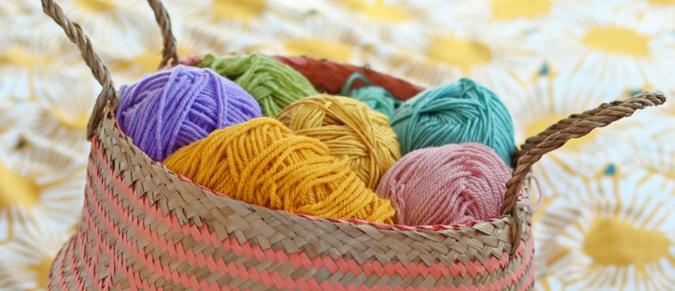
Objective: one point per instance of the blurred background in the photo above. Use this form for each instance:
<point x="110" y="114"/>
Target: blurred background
<point x="606" y="218"/>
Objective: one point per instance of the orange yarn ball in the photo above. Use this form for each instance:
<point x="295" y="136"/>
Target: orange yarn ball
<point x="263" y="162"/>
<point x="350" y="129"/>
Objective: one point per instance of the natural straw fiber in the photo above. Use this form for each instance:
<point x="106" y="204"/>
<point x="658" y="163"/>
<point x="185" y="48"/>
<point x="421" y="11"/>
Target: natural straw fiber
<point x="144" y="227"/>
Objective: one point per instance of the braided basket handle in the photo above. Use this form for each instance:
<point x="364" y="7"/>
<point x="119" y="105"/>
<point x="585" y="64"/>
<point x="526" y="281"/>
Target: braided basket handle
<point x="169" y="51"/>
<point x="94" y="62"/>
<point x="575" y="126"/>
<point x="532" y="141"/>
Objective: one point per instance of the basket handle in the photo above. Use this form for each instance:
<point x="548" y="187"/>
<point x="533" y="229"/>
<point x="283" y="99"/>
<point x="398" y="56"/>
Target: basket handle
<point x="575" y="126"/>
<point x="94" y="62"/>
<point x="532" y="141"/>
<point x="169" y="51"/>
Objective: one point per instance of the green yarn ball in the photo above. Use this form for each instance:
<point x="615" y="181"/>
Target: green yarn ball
<point x="460" y="112"/>
<point x="376" y="97"/>
<point x="273" y="84"/>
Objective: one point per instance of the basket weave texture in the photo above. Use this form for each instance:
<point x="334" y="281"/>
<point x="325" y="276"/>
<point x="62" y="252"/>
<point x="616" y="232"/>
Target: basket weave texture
<point x="144" y="227"/>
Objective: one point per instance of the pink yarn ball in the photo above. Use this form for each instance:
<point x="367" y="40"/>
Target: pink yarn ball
<point x="451" y="184"/>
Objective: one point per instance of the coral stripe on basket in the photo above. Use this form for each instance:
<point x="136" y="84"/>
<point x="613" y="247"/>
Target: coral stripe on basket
<point x="110" y="250"/>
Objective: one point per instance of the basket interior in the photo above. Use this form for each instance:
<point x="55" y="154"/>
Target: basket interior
<point x="329" y="77"/>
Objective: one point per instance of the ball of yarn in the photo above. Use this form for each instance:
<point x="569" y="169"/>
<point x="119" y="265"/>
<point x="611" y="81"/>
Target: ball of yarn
<point x="263" y="162"/>
<point x="275" y="85"/>
<point x="455" y="113"/>
<point x="350" y="129"/>
<point x="376" y="97"/>
<point x="169" y="109"/>
<point x="451" y="184"/>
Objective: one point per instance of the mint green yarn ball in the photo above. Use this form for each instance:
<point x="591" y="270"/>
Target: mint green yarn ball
<point x="376" y="97"/>
<point x="460" y="112"/>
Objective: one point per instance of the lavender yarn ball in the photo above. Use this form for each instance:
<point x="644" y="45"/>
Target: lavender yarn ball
<point x="169" y="109"/>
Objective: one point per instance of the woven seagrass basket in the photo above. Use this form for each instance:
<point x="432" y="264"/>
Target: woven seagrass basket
<point x="144" y="227"/>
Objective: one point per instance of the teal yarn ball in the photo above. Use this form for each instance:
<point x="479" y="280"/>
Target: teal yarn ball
<point x="460" y="112"/>
<point x="376" y="97"/>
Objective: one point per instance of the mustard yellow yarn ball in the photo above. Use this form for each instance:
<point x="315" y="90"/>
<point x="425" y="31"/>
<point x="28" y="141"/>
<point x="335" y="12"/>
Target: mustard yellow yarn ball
<point x="350" y="129"/>
<point x="263" y="162"/>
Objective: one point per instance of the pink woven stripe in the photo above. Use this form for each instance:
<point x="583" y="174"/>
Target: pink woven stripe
<point x="92" y="225"/>
<point x="72" y="262"/>
<point x="101" y="245"/>
<point x="88" y="267"/>
<point x="530" y="281"/>
<point x="92" y="248"/>
<point x="63" y="257"/>
<point x="176" y="250"/>
<point x="235" y="271"/>
<point x="135" y="252"/>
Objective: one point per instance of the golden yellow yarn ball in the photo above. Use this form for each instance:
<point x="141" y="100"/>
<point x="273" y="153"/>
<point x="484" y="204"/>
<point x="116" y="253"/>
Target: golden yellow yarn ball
<point x="263" y="162"/>
<point x="350" y="129"/>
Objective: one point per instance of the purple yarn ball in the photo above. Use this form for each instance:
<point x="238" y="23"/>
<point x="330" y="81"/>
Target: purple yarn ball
<point x="169" y="109"/>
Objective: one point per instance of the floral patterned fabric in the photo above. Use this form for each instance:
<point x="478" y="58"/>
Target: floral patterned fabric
<point x="606" y="219"/>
